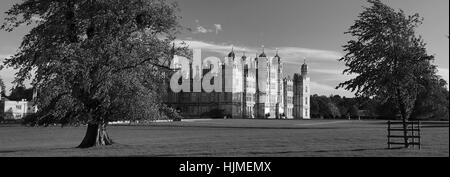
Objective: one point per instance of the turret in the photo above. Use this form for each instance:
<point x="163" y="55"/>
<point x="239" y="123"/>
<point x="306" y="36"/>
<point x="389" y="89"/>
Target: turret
<point x="278" y="58"/>
<point x="263" y="55"/>
<point x="304" y="69"/>
<point x="244" y="58"/>
<point x="231" y="55"/>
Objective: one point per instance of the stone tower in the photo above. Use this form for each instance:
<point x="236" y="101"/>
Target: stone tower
<point x="262" y="81"/>
<point x="279" y="107"/>
<point x="302" y="94"/>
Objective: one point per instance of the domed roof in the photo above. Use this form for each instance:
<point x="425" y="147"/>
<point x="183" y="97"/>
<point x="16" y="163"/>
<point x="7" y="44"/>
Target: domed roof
<point x="304" y="63"/>
<point x="262" y="55"/>
<point x="304" y="68"/>
<point x="277" y="56"/>
<point x="243" y="56"/>
<point x="231" y="54"/>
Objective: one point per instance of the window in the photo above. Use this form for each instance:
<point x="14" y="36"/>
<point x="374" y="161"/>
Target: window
<point x="289" y="100"/>
<point x="272" y="75"/>
<point x="272" y="86"/>
<point x="272" y="99"/>
<point x="289" y="88"/>
<point x="18" y="106"/>
<point x="249" y="98"/>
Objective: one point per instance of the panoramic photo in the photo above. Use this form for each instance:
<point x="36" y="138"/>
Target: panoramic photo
<point x="224" y="78"/>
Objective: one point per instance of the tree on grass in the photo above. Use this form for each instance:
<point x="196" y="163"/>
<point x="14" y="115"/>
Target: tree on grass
<point x="95" y="61"/>
<point x="333" y="110"/>
<point x="389" y="58"/>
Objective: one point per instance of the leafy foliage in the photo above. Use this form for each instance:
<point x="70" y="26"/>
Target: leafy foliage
<point x="434" y="102"/>
<point x="2" y="87"/>
<point x="430" y="105"/>
<point x="19" y="93"/>
<point x="96" y="60"/>
<point x="390" y="60"/>
<point x="326" y="107"/>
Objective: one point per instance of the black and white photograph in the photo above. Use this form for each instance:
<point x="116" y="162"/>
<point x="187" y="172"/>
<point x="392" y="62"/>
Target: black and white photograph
<point x="224" y="79"/>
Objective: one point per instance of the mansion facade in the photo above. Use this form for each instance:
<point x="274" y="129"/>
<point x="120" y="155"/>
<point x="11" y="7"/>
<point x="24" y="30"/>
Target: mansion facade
<point x="252" y="88"/>
<point x="15" y="110"/>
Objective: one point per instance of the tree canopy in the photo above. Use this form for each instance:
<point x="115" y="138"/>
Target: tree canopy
<point x="431" y="105"/>
<point x="96" y="60"/>
<point x="389" y="59"/>
<point x="387" y="56"/>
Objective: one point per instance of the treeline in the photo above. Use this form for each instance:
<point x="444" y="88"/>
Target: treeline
<point x="431" y="105"/>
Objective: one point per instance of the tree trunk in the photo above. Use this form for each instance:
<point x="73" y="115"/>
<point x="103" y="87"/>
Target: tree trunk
<point x="405" y="131"/>
<point x="96" y="135"/>
<point x="403" y="113"/>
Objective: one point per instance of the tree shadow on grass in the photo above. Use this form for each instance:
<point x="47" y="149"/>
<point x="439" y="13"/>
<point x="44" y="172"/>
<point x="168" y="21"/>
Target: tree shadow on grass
<point x="318" y="151"/>
<point x="36" y="150"/>
<point x="116" y="146"/>
<point x="239" y="127"/>
<point x="271" y="153"/>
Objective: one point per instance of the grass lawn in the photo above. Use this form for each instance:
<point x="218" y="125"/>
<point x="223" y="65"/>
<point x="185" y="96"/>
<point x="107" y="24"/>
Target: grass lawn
<point x="297" y="138"/>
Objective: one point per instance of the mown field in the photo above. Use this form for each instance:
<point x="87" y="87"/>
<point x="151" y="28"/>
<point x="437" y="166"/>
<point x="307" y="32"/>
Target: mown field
<point x="218" y="138"/>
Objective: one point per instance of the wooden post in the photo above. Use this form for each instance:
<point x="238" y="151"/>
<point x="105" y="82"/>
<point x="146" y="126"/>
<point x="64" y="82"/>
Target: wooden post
<point x="389" y="134"/>
<point x="412" y="134"/>
<point x="405" y="132"/>
<point x="412" y="129"/>
<point x="420" y="136"/>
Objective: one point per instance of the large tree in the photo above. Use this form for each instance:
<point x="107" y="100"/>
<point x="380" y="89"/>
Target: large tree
<point x="387" y="56"/>
<point x="96" y="60"/>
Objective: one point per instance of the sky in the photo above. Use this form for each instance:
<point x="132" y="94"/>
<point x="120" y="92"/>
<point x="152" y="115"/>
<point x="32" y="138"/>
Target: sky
<point x="311" y="29"/>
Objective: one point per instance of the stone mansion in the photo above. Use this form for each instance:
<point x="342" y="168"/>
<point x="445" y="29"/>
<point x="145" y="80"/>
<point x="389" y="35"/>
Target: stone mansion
<point x="255" y="88"/>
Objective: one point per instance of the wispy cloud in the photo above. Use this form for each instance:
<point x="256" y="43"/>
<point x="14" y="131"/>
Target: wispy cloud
<point x="220" y="49"/>
<point x="325" y="75"/>
<point x="293" y="54"/>
<point x="334" y="72"/>
<point x="218" y="28"/>
<point x="203" y="30"/>
<point x="289" y="54"/>
<point x="322" y="89"/>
